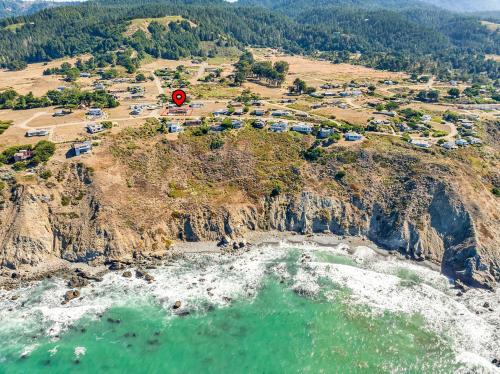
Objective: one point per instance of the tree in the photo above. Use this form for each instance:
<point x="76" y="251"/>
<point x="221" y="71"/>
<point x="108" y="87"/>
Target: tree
<point x="140" y="77"/>
<point x="454" y="92"/>
<point x="299" y="86"/>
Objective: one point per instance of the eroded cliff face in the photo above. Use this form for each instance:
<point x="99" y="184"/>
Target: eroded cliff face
<point x="78" y="220"/>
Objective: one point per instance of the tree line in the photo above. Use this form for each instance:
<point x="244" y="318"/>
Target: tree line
<point x="419" y="40"/>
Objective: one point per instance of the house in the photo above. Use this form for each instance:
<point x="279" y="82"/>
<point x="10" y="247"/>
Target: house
<point x="61" y="88"/>
<point x="279" y="113"/>
<point x="461" y="142"/>
<point x="329" y="93"/>
<point x="60" y="113"/>
<point x="301" y="115"/>
<point x="175" y="127"/>
<point x="385" y="113"/>
<point x="420" y="143"/>
<point x="94" y="128"/>
<point x="279" y="127"/>
<point x="303" y="128"/>
<point x="37" y="132"/>
<point x="475" y="141"/>
<point x="177" y="111"/>
<point x="83" y="147"/>
<point x="256" y="102"/>
<point x="449" y="145"/>
<point x="136" y="111"/>
<point x="259" y="112"/>
<point x="217" y="128"/>
<point x="220" y="112"/>
<point x="237" y="124"/>
<point x="325" y="132"/>
<point x="193" y="122"/>
<point x="238" y="112"/>
<point x="426" y="118"/>
<point x="259" y="124"/>
<point x="84" y="75"/>
<point x="95" y="112"/>
<point x="389" y="83"/>
<point x="196" y="105"/>
<point x="99" y="86"/>
<point x="352" y="136"/>
<point x="23" y="154"/>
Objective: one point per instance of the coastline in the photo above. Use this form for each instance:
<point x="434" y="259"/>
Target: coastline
<point x="60" y="268"/>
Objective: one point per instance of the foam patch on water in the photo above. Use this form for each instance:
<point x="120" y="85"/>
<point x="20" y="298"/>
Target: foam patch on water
<point x="216" y="279"/>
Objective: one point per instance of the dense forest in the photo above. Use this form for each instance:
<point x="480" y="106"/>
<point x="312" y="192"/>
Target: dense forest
<point x="411" y="37"/>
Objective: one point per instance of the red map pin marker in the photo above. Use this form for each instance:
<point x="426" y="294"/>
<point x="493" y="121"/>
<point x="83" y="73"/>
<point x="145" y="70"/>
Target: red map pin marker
<point x="178" y="97"/>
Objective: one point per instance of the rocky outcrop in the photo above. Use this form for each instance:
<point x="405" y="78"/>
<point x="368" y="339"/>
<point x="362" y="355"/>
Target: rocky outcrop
<point x="424" y="219"/>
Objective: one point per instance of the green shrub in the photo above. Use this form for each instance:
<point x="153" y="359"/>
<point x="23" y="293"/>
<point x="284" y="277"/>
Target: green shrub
<point x="65" y="200"/>
<point x="45" y="174"/>
<point x="340" y="174"/>
<point x="495" y="191"/>
<point x="216" y="143"/>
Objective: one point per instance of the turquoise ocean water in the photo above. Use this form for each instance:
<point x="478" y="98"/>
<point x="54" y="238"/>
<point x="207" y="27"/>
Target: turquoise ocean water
<point x="278" y="327"/>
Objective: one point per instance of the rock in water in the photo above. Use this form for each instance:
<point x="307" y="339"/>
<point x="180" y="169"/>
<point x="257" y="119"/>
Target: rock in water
<point x="177" y="305"/>
<point x="77" y="282"/>
<point x="127" y="274"/>
<point x="70" y="295"/>
<point x="149" y="278"/>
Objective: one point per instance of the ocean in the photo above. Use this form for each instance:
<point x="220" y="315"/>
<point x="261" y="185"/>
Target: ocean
<point x="284" y="308"/>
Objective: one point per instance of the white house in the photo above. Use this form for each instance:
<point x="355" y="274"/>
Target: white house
<point x="279" y="113"/>
<point x="175" y="127"/>
<point x="94" y="128"/>
<point x="220" y="112"/>
<point x="475" y="140"/>
<point x="352" y="136"/>
<point x="279" y="127"/>
<point x="420" y="143"/>
<point x="83" y="147"/>
<point x="37" y="132"/>
<point x="426" y="118"/>
<point x="95" y="112"/>
<point x="461" y="142"/>
<point x="303" y="128"/>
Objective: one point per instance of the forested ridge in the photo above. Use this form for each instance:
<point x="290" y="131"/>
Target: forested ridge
<point x="413" y="38"/>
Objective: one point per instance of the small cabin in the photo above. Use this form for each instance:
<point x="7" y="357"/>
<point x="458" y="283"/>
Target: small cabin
<point x="95" y="112"/>
<point x="420" y="143"/>
<point x="23" y="155"/>
<point x="174" y="127"/>
<point x="279" y="127"/>
<point x="82" y="147"/>
<point x="37" y="132"/>
<point x="303" y="128"/>
<point x="94" y="128"/>
<point x="352" y="136"/>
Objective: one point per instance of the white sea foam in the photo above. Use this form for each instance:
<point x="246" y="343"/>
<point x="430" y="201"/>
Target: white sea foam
<point x="80" y="351"/>
<point x="216" y="279"/>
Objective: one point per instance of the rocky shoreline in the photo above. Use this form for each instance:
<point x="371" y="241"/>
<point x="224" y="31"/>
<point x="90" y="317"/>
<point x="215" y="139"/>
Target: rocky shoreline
<point x="78" y="274"/>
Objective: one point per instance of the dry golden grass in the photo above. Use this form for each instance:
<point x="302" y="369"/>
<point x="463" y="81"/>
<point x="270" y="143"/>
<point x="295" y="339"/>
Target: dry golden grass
<point x="143" y="23"/>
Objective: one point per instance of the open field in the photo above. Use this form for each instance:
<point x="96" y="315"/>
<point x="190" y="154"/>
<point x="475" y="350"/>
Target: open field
<point x="142" y="24"/>
<point x="32" y="79"/>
